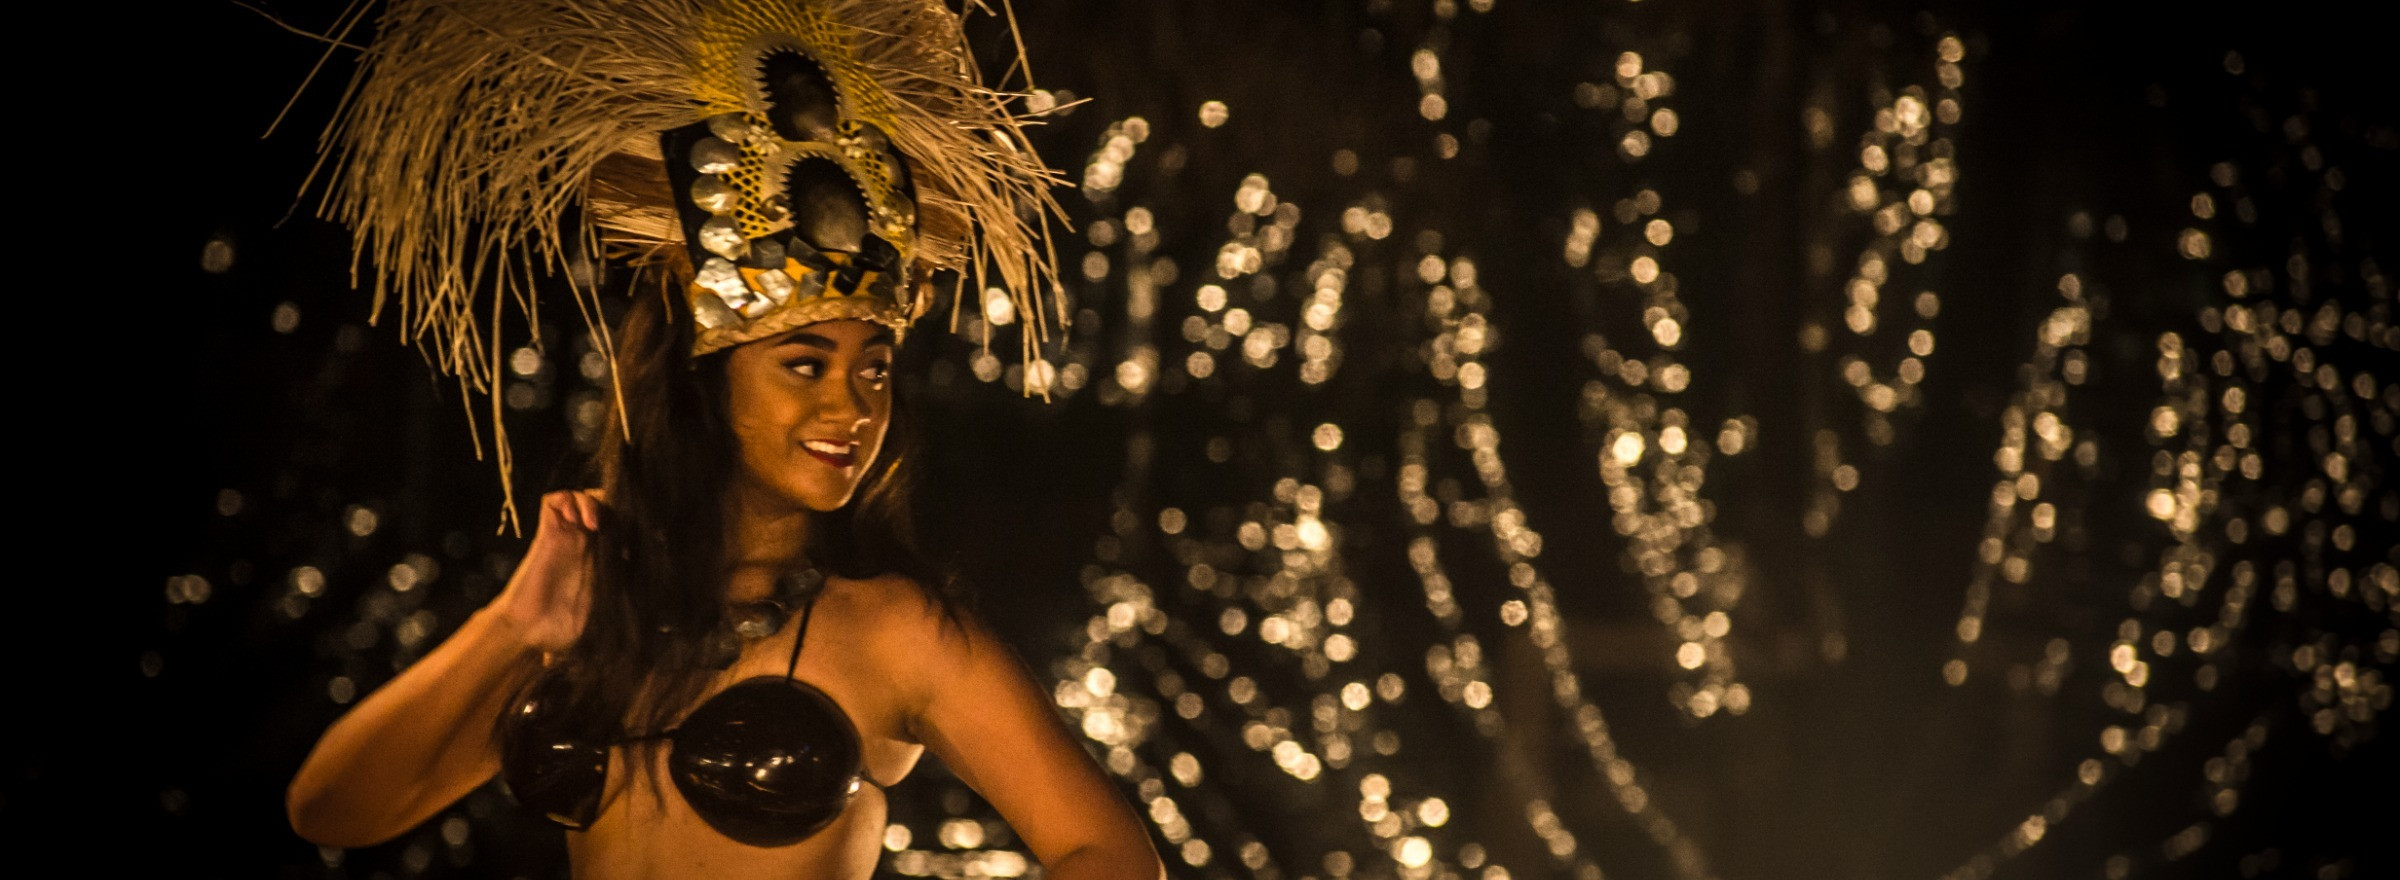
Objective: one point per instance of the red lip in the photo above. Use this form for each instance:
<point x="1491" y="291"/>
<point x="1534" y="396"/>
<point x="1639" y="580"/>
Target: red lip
<point x="837" y="462"/>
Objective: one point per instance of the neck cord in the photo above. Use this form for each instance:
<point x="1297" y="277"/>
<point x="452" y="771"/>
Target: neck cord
<point x="745" y="621"/>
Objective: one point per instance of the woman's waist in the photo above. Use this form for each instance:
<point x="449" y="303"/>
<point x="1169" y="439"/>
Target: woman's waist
<point x="644" y="833"/>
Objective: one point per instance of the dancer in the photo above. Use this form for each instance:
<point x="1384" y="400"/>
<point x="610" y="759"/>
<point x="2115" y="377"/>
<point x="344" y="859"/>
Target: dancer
<point x="717" y="661"/>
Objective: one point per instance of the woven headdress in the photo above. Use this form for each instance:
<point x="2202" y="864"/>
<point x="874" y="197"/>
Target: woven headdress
<point x="797" y="161"/>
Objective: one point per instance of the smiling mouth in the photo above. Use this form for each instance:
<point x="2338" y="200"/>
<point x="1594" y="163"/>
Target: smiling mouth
<point x="837" y="455"/>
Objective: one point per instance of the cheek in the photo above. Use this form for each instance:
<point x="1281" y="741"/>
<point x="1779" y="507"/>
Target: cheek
<point x="760" y="417"/>
<point x="759" y="441"/>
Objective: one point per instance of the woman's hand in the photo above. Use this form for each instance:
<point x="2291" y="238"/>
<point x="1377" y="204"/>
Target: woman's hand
<point x="547" y="599"/>
<point x="424" y="739"/>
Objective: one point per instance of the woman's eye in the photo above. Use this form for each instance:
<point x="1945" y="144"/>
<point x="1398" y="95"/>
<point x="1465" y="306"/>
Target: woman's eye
<point x="877" y="373"/>
<point x="808" y="368"/>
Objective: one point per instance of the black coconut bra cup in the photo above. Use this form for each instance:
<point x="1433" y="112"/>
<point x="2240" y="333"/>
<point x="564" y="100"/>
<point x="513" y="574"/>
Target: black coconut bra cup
<point x="766" y="762"/>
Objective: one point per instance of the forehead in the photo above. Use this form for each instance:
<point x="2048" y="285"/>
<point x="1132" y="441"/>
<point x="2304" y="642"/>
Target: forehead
<point x="843" y="334"/>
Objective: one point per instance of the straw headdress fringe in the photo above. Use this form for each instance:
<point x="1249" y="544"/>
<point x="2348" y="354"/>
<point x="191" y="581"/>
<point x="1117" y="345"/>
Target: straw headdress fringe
<point x="476" y="132"/>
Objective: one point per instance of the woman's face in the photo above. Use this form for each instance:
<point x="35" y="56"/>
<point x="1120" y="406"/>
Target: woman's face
<point x="809" y="408"/>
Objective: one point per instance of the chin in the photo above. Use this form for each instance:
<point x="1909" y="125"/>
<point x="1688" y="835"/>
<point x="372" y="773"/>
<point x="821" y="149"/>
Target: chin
<point x="801" y="482"/>
<point x="820" y="496"/>
<point x="827" y="503"/>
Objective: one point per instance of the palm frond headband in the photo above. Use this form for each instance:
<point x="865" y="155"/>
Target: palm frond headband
<point x="810" y="160"/>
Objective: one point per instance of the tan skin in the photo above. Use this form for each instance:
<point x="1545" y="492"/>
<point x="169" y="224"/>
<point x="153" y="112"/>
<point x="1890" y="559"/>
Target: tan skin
<point x="909" y="679"/>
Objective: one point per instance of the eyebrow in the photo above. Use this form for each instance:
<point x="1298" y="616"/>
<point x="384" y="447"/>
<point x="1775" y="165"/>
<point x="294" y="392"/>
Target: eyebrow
<point x="881" y="337"/>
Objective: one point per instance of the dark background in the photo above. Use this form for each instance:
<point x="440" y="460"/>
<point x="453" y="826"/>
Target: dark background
<point x="262" y="444"/>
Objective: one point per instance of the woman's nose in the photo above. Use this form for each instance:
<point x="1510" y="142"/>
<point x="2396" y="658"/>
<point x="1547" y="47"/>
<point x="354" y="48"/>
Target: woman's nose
<point x="846" y="404"/>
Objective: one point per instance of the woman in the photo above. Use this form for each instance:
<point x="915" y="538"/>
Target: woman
<point x="807" y="412"/>
<point x="715" y="664"/>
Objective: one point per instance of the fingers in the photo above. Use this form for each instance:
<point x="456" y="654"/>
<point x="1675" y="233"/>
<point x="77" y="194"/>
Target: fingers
<point x="587" y="508"/>
<point x="558" y="508"/>
<point x="579" y="508"/>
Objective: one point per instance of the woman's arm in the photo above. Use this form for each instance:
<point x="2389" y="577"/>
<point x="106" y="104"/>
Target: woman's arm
<point x="416" y="744"/>
<point x="424" y="739"/>
<point x="984" y="717"/>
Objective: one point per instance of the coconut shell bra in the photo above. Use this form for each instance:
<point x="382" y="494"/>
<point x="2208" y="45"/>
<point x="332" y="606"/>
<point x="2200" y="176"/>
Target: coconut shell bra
<point x="767" y="762"/>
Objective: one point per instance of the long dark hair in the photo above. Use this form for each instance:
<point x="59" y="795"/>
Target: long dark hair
<point x="659" y="565"/>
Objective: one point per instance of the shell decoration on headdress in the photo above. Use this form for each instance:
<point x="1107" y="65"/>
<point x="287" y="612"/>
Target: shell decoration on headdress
<point x="795" y="161"/>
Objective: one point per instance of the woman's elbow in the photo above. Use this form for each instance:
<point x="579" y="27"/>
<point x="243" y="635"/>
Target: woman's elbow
<point x="1131" y="860"/>
<point x="1149" y="866"/>
<point x="320" y="818"/>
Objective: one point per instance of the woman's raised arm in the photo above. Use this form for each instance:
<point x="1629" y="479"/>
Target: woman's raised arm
<point x="424" y="739"/>
<point x="985" y="718"/>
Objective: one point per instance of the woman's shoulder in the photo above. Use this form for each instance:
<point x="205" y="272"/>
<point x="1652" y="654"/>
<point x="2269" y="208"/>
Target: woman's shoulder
<point x="909" y="637"/>
<point x="901" y="611"/>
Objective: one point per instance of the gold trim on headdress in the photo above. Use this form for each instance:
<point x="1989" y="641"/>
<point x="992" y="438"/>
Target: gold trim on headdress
<point x="474" y="126"/>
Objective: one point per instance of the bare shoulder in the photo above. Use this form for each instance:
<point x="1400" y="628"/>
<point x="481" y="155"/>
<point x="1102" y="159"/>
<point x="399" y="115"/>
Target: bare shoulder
<point x="894" y="605"/>
<point x="906" y="619"/>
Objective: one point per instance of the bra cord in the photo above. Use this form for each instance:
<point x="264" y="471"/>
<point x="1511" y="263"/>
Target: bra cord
<point x="799" y="638"/>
